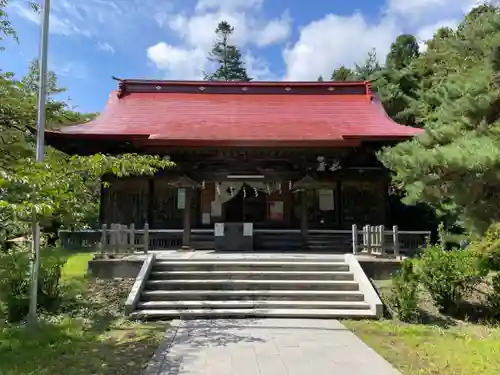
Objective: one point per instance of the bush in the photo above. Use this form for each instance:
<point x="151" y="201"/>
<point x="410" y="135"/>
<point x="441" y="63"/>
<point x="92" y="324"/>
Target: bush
<point x="449" y="276"/>
<point x="494" y="296"/>
<point x="489" y="247"/>
<point x="405" y="293"/>
<point x="15" y="282"/>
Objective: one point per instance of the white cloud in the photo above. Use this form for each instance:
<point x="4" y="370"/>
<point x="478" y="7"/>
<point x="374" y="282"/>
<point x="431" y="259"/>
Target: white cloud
<point x="106" y="47"/>
<point x="228" y="5"/>
<point x="251" y="30"/>
<point x="416" y="8"/>
<point x="178" y="62"/>
<point x="334" y="41"/>
<point x="58" y="25"/>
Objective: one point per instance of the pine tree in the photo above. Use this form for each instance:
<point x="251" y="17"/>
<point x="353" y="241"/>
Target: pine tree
<point x="369" y="67"/>
<point x="320" y="78"/>
<point x="403" y="51"/>
<point x="455" y="164"/>
<point x="343" y="74"/>
<point x="227" y="56"/>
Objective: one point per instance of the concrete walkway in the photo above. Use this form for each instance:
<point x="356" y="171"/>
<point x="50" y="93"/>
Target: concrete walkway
<point x="264" y="347"/>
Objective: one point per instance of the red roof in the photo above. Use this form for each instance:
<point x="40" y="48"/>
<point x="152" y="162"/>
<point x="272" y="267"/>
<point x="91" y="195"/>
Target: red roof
<point x="241" y="113"/>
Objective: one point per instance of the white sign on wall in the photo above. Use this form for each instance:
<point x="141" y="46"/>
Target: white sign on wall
<point x="219" y="230"/>
<point x="248" y="229"/>
<point x="326" y="200"/>
<point x="181" y="199"/>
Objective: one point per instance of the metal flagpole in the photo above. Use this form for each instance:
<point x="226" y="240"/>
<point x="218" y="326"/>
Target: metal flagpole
<point x="40" y="148"/>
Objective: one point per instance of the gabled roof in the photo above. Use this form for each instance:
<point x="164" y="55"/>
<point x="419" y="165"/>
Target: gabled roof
<point x="200" y="113"/>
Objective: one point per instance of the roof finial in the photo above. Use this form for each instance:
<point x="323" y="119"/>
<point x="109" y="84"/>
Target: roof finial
<point x="121" y="87"/>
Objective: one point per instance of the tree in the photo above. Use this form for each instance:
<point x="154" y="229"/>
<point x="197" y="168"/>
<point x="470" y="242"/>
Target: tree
<point x="320" y="78"/>
<point x="397" y="82"/>
<point x="455" y="164"/>
<point x="370" y="66"/>
<point x="227" y="56"/>
<point x="343" y="74"/>
<point x="6" y="29"/>
<point x="403" y="51"/>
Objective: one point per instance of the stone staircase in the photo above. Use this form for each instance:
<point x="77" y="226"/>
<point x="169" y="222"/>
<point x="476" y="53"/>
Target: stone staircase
<point x="319" y="288"/>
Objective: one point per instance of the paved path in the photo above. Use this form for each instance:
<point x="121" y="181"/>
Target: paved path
<point x="265" y="347"/>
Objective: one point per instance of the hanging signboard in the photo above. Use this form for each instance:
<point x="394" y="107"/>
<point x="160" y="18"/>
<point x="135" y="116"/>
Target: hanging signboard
<point x="276" y="210"/>
<point x="219" y="230"/>
<point x="216" y="209"/>
<point x="181" y="199"/>
<point x="205" y="218"/>
<point x="326" y="200"/>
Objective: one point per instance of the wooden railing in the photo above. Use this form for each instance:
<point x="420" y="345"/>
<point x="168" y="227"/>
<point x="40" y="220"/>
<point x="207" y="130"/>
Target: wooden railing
<point x="366" y="240"/>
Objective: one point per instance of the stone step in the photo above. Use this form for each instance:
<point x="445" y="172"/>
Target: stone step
<point x="262" y="295"/>
<point x="228" y="284"/>
<point x="252" y="304"/>
<point x="249" y="313"/>
<point x="251" y="265"/>
<point x="257" y="274"/>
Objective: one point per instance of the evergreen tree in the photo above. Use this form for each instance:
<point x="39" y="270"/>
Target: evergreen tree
<point x="455" y="164"/>
<point x="227" y="56"/>
<point x="403" y="51"/>
<point x="369" y="67"/>
<point x="320" y="78"/>
<point x="396" y="83"/>
<point x="343" y="74"/>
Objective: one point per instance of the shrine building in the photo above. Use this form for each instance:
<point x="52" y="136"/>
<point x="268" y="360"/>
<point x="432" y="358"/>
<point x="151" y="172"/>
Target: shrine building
<point x="287" y="157"/>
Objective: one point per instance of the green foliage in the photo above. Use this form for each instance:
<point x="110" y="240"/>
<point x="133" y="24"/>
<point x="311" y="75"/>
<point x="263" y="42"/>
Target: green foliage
<point x="6" y="29"/>
<point x="343" y="74"/>
<point x="494" y="296"/>
<point x="403" y="51"/>
<point x="405" y="293"/>
<point x="488" y="246"/>
<point x="449" y="276"/>
<point x="367" y="68"/>
<point x="454" y="166"/>
<point x="57" y="188"/>
<point x="227" y="56"/>
<point x="15" y="282"/>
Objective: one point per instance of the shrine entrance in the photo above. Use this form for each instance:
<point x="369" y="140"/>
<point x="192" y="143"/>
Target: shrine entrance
<point x="246" y="207"/>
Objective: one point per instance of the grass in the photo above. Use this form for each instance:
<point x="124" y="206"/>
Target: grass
<point x="91" y="337"/>
<point x="441" y="347"/>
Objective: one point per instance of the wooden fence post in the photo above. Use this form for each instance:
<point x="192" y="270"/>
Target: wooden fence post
<point x="146" y="238"/>
<point x="124" y="238"/>
<point x="354" y="239"/>
<point x="382" y="239"/>
<point x="395" y="240"/>
<point x="104" y="239"/>
<point x="369" y="232"/>
<point x="117" y="238"/>
<point x="131" y="239"/>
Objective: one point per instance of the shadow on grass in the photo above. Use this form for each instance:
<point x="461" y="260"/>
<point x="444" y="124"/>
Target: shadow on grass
<point x="89" y="335"/>
<point x="67" y="347"/>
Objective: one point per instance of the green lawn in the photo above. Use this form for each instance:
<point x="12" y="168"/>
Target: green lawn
<point x="454" y="348"/>
<point x="415" y="349"/>
<point x="93" y="338"/>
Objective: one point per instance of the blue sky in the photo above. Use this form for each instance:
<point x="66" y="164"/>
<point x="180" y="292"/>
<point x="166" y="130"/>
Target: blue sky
<point x="92" y="40"/>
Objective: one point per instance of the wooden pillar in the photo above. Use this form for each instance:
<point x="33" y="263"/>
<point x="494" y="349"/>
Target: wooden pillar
<point x="303" y="217"/>
<point x="151" y="201"/>
<point x="186" y="234"/>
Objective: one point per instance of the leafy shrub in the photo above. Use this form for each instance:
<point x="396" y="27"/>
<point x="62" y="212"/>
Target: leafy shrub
<point x="405" y="293"/>
<point x="494" y="296"/>
<point x="15" y="282"/>
<point x="449" y="276"/>
<point x="489" y="247"/>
